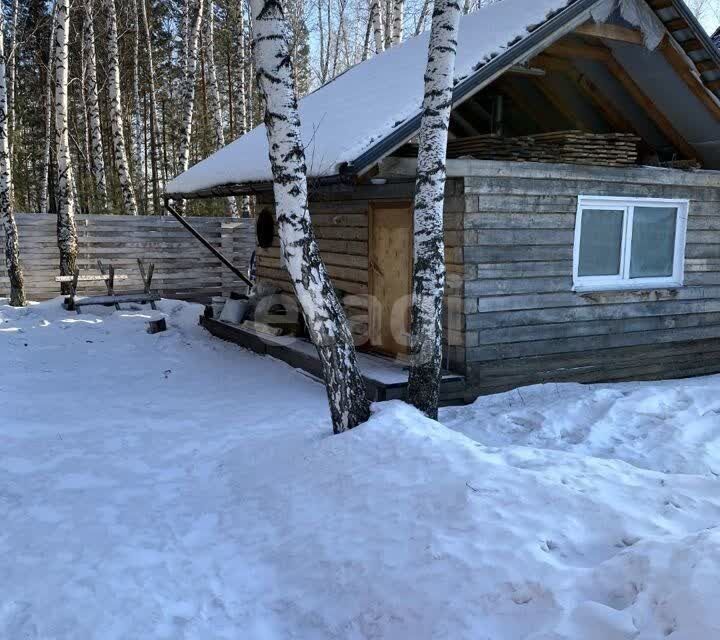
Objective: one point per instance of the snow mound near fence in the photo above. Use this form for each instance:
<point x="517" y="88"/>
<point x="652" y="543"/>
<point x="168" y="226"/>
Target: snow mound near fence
<point x="175" y="486"/>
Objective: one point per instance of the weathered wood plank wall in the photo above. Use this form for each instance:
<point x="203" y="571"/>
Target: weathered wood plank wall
<point x="340" y="218"/>
<point x="183" y="268"/>
<point x="524" y="324"/>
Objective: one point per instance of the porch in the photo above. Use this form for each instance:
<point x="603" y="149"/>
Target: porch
<point x="385" y="378"/>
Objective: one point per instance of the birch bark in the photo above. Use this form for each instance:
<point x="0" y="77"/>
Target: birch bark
<point x="324" y="315"/>
<point x="136" y="141"/>
<point x="116" y="113"/>
<point x="214" y="94"/>
<point x="97" y="159"/>
<point x="45" y="187"/>
<point x="7" y="215"/>
<point x="66" y="231"/>
<point x="429" y="245"/>
<point x="155" y="157"/>
<point x="377" y="25"/>
<point x="11" y="63"/>
<point x="398" y="19"/>
<point x="239" y="40"/>
<point x="188" y="93"/>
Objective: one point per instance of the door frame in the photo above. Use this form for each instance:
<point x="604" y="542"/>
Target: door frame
<point x="387" y="204"/>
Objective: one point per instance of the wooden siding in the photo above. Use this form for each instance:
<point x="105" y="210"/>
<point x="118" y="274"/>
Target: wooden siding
<point x="183" y="267"/>
<point x="340" y="218"/>
<point x="523" y="323"/>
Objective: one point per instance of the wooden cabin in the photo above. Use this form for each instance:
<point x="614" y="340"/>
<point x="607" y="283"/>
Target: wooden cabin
<point x="582" y="209"/>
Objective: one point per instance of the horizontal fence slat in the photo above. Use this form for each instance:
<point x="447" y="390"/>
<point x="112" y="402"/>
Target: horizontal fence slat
<point x="183" y="268"/>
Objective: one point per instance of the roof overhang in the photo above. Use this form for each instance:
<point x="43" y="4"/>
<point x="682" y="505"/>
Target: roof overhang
<point x="555" y="27"/>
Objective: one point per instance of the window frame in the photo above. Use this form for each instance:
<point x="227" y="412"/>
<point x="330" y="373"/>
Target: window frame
<point x="622" y="281"/>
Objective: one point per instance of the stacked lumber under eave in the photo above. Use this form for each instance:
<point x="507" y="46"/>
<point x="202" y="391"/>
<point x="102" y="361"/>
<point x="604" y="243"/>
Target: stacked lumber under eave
<point x="574" y="147"/>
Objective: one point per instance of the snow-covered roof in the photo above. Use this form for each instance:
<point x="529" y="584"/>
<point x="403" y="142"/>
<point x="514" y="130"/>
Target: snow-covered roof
<point x="350" y="115"/>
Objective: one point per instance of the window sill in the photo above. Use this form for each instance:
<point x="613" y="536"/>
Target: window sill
<point x="625" y="288"/>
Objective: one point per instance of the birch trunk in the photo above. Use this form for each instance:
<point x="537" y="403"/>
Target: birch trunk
<point x="97" y="158"/>
<point x="242" y="102"/>
<point x="377" y="25"/>
<point x="135" y="123"/>
<point x="324" y="315"/>
<point x="188" y="94"/>
<point x="398" y="19"/>
<point x="155" y="159"/>
<point x="66" y="232"/>
<point x="7" y="216"/>
<point x="116" y="113"/>
<point x="388" y="22"/>
<point x="11" y="57"/>
<point x="45" y="187"/>
<point x="429" y="245"/>
<point x="214" y="97"/>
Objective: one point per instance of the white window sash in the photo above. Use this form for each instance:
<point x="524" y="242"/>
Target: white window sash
<point x="622" y="281"/>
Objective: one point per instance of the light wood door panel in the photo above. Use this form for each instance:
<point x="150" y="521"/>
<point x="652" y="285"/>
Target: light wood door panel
<point x="391" y="249"/>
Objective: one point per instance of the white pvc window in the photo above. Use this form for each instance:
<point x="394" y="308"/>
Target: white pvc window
<point x="629" y="243"/>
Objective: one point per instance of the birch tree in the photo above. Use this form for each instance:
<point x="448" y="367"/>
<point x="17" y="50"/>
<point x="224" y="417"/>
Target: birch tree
<point x="214" y="93"/>
<point x="7" y="216"/>
<point x="237" y="30"/>
<point x="398" y="19"/>
<point x="116" y="113"/>
<point x="11" y="71"/>
<point x="66" y="231"/>
<point x="429" y="245"/>
<point x="377" y="25"/>
<point x="136" y="141"/>
<point x="188" y="93"/>
<point x="45" y="186"/>
<point x="97" y="158"/>
<point x="324" y="315"/>
<point x="155" y="159"/>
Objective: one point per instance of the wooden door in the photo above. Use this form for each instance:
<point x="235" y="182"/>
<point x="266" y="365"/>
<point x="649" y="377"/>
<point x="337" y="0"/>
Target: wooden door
<point x="390" y="253"/>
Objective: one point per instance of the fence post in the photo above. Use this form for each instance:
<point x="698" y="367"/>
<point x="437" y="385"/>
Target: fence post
<point x="227" y="244"/>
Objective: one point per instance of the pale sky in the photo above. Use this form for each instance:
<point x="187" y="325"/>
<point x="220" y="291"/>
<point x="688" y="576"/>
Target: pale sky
<point x="710" y="22"/>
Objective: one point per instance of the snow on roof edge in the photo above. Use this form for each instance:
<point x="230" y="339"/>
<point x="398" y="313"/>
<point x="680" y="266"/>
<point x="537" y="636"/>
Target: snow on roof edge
<point x="226" y="172"/>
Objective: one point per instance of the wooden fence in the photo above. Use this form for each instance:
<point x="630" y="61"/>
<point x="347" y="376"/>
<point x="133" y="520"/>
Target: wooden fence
<point x="183" y="267"/>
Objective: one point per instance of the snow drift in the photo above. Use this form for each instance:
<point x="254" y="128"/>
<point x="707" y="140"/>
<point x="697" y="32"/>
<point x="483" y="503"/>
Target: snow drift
<point x="140" y="498"/>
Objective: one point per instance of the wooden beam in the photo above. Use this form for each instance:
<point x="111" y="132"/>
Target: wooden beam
<point x="550" y="63"/>
<point x="476" y="109"/>
<point x="519" y="101"/>
<point x="557" y="101"/>
<point x="604" y="55"/>
<point x="520" y="70"/>
<point x="657" y="116"/>
<point x="464" y="123"/>
<point x="572" y="50"/>
<point x="692" y="44"/>
<point x="706" y="65"/>
<point x="684" y="67"/>
<point x="677" y="24"/>
<point x="712" y="84"/>
<point x="613" y="116"/>
<point x="614" y="32"/>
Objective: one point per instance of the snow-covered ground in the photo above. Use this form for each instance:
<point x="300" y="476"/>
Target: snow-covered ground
<point x="175" y="486"/>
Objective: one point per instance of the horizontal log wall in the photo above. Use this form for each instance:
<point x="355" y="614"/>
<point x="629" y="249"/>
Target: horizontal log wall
<point x="524" y="324"/>
<point x="340" y="218"/>
<point x="183" y="267"/>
